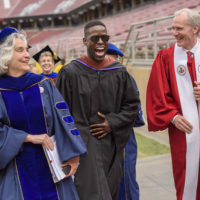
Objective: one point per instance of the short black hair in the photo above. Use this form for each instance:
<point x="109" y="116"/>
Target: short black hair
<point x="91" y="24"/>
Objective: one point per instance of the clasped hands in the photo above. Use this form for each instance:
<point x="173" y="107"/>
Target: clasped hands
<point x="47" y="142"/>
<point x="182" y="124"/>
<point x="180" y="121"/>
<point x="197" y="91"/>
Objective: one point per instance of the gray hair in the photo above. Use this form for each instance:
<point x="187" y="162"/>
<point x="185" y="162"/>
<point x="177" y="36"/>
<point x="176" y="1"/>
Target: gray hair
<point x="193" y="17"/>
<point x="7" y="49"/>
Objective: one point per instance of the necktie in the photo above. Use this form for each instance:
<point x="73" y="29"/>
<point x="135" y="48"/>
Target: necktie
<point x="191" y="66"/>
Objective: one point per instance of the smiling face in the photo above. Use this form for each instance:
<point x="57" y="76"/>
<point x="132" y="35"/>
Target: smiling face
<point x="47" y="64"/>
<point x="96" y="40"/>
<point x="19" y="63"/>
<point x="186" y="36"/>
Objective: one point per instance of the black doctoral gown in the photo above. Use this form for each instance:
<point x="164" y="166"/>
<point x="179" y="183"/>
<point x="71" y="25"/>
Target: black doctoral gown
<point x="110" y="91"/>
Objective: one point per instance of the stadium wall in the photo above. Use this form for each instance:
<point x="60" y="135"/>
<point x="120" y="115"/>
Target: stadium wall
<point x="141" y="76"/>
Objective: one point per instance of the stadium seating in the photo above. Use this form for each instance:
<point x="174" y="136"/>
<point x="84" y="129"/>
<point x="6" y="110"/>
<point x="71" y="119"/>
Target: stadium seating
<point x="5" y="12"/>
<point x="40" y="7"/>
<point x="118" y="25"/>
<point x="39" y="36"/>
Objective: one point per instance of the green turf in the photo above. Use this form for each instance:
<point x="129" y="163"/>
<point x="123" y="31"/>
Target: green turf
<point x="149" y="147"/>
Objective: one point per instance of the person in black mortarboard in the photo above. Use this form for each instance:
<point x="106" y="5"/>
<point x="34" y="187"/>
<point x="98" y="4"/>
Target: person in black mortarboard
<point x="129" y="188"/>
<point x="47" y="59"/>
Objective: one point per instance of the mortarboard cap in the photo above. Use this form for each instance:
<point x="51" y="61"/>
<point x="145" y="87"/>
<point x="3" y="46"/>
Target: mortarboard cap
<point x="6" y="31"/>
<point x="47" y="48"/>
<point x="113" y="50"/>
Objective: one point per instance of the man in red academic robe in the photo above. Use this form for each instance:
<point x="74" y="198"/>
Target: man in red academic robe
<point x="173" y="95"/>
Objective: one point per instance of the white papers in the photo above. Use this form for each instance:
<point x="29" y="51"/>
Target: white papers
<point x="55" y="163"/>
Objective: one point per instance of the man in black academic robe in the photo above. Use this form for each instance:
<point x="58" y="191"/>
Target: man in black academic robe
<point x="103" y="101"/>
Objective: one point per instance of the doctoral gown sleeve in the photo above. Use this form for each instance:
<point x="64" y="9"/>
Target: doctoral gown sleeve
<point x="68" y="139"/>
<point x="161" y="105"/>
<point x="63" y="84"/>
<point x="122" y="122"/>
<point x="139" y="119"/>
<point x="11" y="139"/>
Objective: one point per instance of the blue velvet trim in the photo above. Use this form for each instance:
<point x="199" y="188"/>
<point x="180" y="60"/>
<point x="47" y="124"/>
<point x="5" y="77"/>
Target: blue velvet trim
<point x="75" y="132"/>
<point x="52" y="75"/>
<point x="34" y="108"/>
<point x="19" y="83"/>
<point x="6" y="31"/>
<point x="68" y="119"/>
<point x="25" y="111"/>
<point x="14" y="105"/>
<point x="62" y="105"/>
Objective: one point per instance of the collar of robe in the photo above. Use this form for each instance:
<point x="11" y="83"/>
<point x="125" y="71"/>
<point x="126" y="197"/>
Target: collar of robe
<point x="107" y="64"/>
<point x="19" y="83"/>
<point x="97" y="65"/>
<point x="52" y="75"/>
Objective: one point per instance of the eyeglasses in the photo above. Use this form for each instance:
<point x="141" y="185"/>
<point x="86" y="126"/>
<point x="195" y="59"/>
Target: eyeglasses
<point x="96" y="38"/>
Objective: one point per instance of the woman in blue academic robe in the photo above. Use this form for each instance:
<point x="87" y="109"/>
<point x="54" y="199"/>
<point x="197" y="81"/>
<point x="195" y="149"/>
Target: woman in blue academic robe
<point x="31" y="111"/>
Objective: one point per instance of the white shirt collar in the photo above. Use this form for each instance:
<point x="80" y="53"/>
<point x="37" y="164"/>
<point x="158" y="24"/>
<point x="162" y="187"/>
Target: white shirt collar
<point x="194" y="48"/>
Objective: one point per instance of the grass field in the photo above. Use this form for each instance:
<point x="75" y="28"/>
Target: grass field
<point x="148" y="147"/>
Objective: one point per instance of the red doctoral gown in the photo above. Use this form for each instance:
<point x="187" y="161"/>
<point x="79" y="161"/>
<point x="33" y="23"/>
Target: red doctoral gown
<point x="162" y="104"/>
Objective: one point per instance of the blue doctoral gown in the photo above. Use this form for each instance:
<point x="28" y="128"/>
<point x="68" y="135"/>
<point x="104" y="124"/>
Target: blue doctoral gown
<point x="129" y="189"/>
<point x="32" y="104"/>
<point x="51" y="76"/>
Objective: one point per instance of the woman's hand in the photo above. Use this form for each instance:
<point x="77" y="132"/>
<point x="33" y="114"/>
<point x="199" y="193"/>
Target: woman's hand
<point x="42" y="139"/>
<point x="74" y="163"/>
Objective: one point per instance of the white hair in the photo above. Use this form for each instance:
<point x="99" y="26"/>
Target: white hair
<point x="193" y="17"/>
<point x="7" y="49"/>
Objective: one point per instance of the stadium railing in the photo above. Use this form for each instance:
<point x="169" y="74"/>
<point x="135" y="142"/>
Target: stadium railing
<point x="145" y="38"/>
